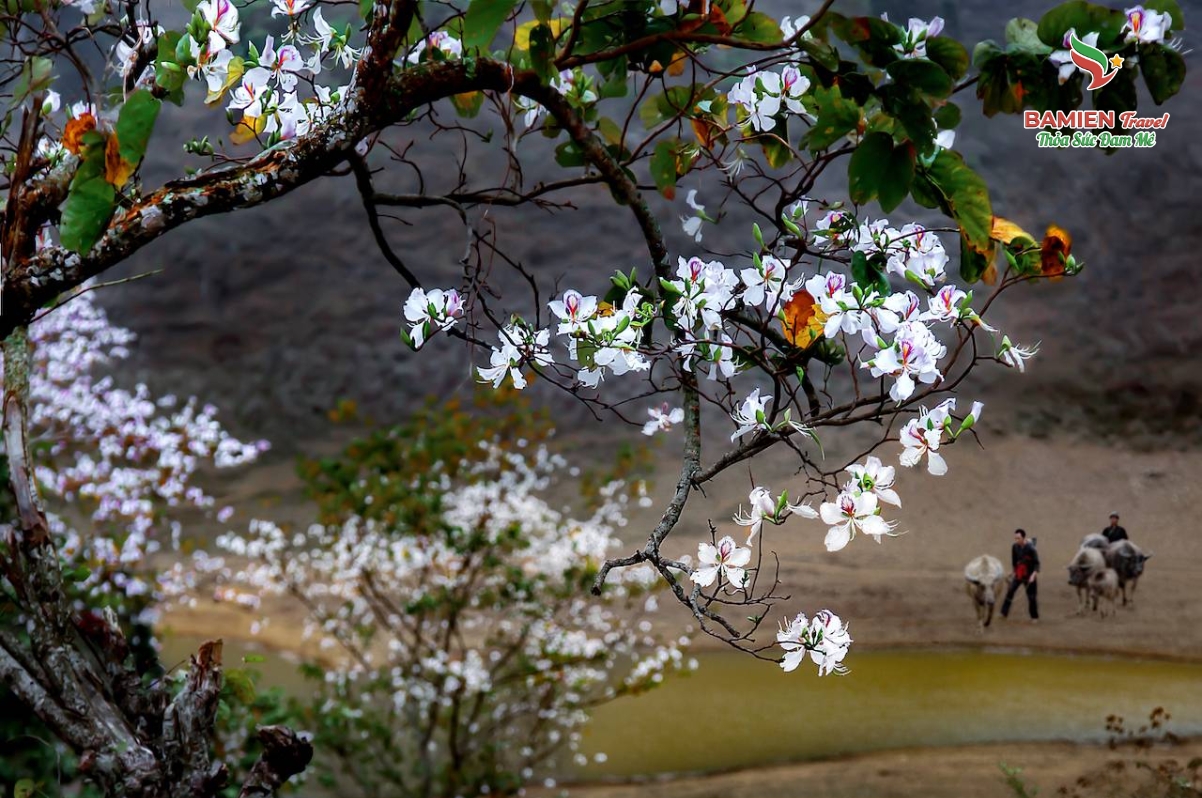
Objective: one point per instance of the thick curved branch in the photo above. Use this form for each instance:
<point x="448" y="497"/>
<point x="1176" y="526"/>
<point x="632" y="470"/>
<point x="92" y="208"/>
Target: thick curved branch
<point x="275" y="172"/>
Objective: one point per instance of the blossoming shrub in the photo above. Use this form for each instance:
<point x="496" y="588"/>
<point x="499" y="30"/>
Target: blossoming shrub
<point x="116" y="466"/>
<point x="448" y="583"/>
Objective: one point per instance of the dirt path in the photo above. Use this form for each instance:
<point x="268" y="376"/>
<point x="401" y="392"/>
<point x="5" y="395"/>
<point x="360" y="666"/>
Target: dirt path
<point x="922" y="773"/>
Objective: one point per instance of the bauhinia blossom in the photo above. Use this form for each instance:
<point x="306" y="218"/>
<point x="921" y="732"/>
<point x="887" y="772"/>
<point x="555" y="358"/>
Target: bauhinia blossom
<point x="825" y="638"/>
<point x="1147" y="26"/>
<point x="222" y="19"/>
<point x="921" y="437"/>
<point x="874" y="477"/>
<point x="849" y="514"/>
<point x="663" y="418"/>
<point x="762" y="507"/>
<point x="1062" y="59"/>
<point x="727" y="559"/>
<point x="1014" y="356"/>
<point x="749" y="415"/>
<point x="519" y="345"/>
<point x="912" y="357"/>
<point x="431" y="312"/>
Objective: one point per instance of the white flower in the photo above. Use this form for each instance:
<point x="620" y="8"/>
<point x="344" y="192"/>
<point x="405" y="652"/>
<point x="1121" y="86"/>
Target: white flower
<point x="1016" y="357"/>
<point x="917" y="254"/>
<point x="850" y="513"/>
<point x="727" y="559"/>
<point x="874" y="477"/>
<point x="945" y="305"/>
<point x="283" y="64"/>
<point x="289" y="8"/>
<point x="789" y="27"/>
<point x="662" y="419"/>
<point x="830" y="642"/>
<point x="922" y="436"/>
<point x="825" y="637"/>
<point x="1063" y="59"/>
<point x="222" y="18"/>
<point x="519" y="345"/>
<point x="913" y="355"/>
<point x="439" y="40"/>
<point x="792" y="637"/>
<point x="248" y="95"/>
<point x="431" y="312"/>
<point x="692" y="224"/>
<point x="749" y="415"/>
<point x="1146" y="26"/>
<point x="762" y="508"/>
<point x="51" y="103"/>
<point x="945" y="139"/>
<point x="706" y="289"/>
<point x="573" y="311"/>
<point x="915" y="35"/>
<point x="766" y="284"/>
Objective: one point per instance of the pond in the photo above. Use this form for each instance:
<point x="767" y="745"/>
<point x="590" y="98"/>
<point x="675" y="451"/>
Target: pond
<point x="736" y="712"/>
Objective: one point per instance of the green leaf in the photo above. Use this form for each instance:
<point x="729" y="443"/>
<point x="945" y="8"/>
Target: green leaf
<point x="759" y="27"/>
<point x="1171" y="8"/>
<point x="973" y="264"/>
<point x="964" y="196"/>
<point x="947" y="116"/>
<point x="89" y="206"/>
<point x="867" y="165"/>
<point x="949" y="54"/>
<point x="25" y="788"/>
<point x="897" y="177"/>
<point x="542" y="52"/>
<point x="675" y="100"/>
<point x="135" y="123"/>
<point x="663" y="168"/>
<point x="1085" y="18"/>
<point x="1022" y="35"/>
<point x="1163" y="69"/>
<point x="921" y="75"/>
<point x="482" y="21"/>
<point x="836" y="117"/>
<point x="240" y="684"/>
<point x="569" y="155"/>
<point x="776" y="150"/>
<point x="868" y="274"/>
<point x="36" y="75"/>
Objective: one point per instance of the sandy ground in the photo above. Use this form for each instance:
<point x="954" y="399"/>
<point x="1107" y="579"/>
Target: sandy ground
<point x="908" y="591"/>
<point x="929" y="773"/>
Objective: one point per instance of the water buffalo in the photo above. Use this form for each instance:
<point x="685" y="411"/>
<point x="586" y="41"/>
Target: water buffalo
<point x="984" y="581"/>
<point x="1095" y="540"/>
<point x="1084" y="564"/>
<point x="1104" y="585"/>
<point x="1127" y="560"/>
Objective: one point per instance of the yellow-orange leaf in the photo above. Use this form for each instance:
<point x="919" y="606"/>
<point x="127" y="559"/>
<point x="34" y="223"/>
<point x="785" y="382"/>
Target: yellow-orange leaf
<point x="248" y="128"/>
<point x="1057" y="244"/>
<point x="676" y="68"/>
<point x="74" y="131"/>
<point x="1006" y="231"/>
<point x="117" y="170"/>
<point x="521" y="36"/>
<point x="802" y="320"/>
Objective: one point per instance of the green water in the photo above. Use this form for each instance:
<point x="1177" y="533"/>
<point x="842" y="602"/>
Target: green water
<point x="736" y="712"/>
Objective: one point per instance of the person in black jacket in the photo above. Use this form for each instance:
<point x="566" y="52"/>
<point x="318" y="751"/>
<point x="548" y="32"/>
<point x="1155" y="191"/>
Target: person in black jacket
<point x="1025" y="561"/>
<point x="1114" y="532"/>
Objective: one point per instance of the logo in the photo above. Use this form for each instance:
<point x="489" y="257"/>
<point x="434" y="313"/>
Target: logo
<point x="1094" y="63"/>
